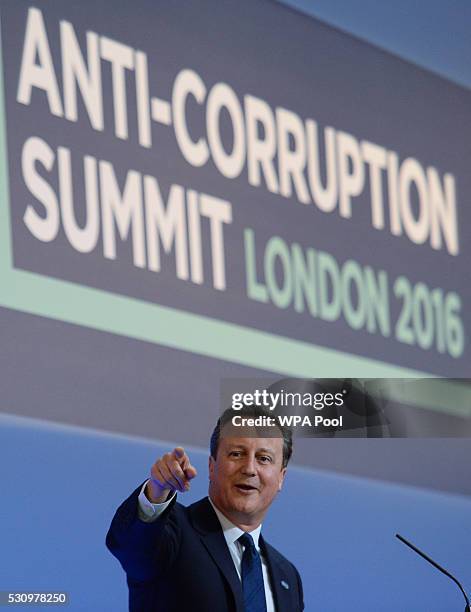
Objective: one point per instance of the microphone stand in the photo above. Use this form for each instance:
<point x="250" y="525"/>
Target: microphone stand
<point x="439" y="567"/>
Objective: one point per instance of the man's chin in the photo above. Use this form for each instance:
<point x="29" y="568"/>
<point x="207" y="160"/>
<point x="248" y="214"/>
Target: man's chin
<point x="246" y="504"/>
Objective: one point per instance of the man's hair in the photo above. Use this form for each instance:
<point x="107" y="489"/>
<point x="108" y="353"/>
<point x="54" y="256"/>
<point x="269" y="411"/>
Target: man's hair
<point x="251" y="412"/>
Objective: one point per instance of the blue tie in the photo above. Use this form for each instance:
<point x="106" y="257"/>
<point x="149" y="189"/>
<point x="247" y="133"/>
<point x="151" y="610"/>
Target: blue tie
<point x="252" y="576"/>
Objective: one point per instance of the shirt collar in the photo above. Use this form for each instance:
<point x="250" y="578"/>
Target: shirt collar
<point x="231" y="532"/>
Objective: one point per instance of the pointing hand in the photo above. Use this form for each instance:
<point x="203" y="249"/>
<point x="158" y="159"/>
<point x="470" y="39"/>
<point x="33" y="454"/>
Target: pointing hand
<point x="172" y="472"/>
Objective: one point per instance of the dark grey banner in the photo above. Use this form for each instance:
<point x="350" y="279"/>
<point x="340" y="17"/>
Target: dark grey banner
<point x="277" y="174"/>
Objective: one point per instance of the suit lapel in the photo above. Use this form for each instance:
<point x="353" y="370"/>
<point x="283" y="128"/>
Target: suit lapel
<point x="206" y="522"/>
<point x="281" y="585"/>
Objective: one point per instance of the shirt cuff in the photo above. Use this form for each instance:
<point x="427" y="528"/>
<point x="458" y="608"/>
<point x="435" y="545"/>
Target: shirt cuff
<point x="147" y="511"/>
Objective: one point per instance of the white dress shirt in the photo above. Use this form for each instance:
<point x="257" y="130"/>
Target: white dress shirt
<point x="149" y="512"/>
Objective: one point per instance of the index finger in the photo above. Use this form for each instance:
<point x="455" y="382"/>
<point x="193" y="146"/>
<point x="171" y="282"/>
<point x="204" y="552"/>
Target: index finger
<point x="184" y="462"/>
<point x="180" y="455"/>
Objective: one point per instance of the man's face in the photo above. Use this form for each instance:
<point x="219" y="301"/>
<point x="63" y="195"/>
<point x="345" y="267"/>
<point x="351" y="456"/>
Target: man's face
<point x="245" y="477"/>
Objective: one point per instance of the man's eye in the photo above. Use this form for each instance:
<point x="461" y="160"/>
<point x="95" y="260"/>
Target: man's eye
<point x="265" y="459"/>
<point x="235" y="453"/>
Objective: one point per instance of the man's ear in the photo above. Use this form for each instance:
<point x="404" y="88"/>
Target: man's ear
<point x="211" y="464"/>
<point x="282" y="478"/>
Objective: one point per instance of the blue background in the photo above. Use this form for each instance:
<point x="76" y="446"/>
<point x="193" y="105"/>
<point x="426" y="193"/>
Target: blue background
<point x="338" y="530"/>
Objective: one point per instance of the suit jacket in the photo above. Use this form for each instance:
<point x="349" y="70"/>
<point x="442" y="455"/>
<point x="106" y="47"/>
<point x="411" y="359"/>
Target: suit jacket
<point x="181" y="562"/>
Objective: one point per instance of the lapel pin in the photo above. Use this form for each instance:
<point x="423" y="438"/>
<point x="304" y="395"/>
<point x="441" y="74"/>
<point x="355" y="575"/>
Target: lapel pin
<point x="284" y="584"/>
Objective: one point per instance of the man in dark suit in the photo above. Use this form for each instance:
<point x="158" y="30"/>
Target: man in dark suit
<point x="210" y="556"/>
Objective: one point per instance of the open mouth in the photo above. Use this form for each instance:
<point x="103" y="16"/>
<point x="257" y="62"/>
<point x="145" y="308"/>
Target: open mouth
<point x="245" y="488"/>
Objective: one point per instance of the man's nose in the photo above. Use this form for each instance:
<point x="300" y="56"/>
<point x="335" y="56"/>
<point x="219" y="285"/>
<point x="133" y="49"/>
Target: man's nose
<point x="249" y="466"/>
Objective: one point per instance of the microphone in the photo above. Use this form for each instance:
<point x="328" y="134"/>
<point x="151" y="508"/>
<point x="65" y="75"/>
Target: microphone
<point x="439" y="567"/>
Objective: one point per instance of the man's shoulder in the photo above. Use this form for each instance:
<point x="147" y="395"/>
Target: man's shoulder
<point x="202" y="516"/>
<point x="200" y="507"/>
<point x="276" y="557"/>
<point x="202" y="504"/>
<point x="199" y="515"/>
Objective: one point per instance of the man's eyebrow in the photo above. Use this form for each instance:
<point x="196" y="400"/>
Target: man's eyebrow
<point x="258" y="450"/>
